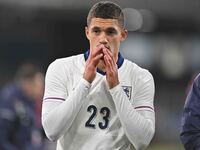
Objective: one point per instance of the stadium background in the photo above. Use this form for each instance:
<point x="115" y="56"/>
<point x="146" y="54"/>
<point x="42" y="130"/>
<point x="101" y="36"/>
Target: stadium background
<point x="166" y="42"/>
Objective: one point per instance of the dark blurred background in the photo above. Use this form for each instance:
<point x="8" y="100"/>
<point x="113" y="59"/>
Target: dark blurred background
<point x="164" y="37"/>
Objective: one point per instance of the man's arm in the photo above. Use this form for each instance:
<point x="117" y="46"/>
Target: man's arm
<point x="139" y="125"/>
<point x="190" y="125"/>
<point x="59" y="109"/>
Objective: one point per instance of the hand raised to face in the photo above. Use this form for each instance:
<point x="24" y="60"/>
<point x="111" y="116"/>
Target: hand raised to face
<point x="91" y="65"/>
<point x="111" y="69"/>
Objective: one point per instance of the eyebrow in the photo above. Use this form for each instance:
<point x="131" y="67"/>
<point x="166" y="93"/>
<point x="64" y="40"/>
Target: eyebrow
<point x="95" y="28"/>
<point x="107" y="29"/>
<point x="111" y="29"/>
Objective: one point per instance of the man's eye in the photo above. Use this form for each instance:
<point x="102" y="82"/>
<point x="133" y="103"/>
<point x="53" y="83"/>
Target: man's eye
<point x="111" y="32"/>
<point x="96" y="31"/>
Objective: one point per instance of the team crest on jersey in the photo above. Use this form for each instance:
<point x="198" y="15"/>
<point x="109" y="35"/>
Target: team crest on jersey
<point x="127" y="90"/>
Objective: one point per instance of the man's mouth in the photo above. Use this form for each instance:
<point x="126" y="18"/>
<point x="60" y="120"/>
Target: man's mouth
<point x="106" y="46"/>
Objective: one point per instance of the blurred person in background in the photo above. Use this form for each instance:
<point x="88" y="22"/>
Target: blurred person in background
<point x="190" y="125"/>
<point x="20" y="126"/>
<point x="99" y="100"/>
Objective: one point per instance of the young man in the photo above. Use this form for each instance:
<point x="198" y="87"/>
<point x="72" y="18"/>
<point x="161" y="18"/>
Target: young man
<point x="190" y="126"/>
<point x="19" y="129"/>
<point x="99" y="100"/>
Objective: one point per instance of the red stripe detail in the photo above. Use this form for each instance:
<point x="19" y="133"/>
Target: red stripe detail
<point x="144" y="107"/>
<point x="57" y="98"/>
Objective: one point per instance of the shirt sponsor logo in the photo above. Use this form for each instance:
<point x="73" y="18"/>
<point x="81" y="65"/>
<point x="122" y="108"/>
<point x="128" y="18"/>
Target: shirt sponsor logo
<point x="127" y="90"/>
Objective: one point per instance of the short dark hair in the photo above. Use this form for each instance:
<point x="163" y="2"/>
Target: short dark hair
<point x="106" y="10"/>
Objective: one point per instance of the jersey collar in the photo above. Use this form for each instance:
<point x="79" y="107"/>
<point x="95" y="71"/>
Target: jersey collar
<point x="120" y="61"/>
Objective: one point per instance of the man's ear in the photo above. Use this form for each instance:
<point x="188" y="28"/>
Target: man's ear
<point x="124" y="35"/>
<point x="87" y="32"/>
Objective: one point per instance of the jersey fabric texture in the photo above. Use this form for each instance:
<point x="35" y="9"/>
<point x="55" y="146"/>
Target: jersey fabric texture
<point x="84" y="116"/>
<point x="190" y="126"/>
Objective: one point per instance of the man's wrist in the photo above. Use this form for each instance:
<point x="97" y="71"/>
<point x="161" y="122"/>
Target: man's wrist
<point x="86" y="83"/>
<point x="114" y="84"/>
<point x="114" y="89"/>
<point x="111" y="86"/>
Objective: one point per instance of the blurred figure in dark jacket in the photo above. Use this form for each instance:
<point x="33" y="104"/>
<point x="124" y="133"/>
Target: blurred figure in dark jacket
<point x="20" y="128"/>
<point x="190" y="126"/>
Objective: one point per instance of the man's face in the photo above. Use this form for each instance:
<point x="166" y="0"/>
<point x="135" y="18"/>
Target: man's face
<point x="107" y="32"/>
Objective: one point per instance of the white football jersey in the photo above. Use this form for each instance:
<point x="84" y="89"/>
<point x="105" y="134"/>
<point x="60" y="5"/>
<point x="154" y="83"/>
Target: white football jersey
<point x="97" y="125"/>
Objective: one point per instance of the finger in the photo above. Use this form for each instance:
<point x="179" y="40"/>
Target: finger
<point x="108" y="64"/>
<point x="108" y="52"/>
<point x="109" y="57"/>
<point x="97" y="58"/>
<point x="97" y="50"/>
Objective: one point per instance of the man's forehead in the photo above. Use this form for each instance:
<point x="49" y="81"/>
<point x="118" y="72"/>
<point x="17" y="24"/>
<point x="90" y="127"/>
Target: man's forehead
<point x="101" y="22"/>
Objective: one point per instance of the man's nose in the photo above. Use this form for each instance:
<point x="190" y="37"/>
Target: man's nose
<point x="103" y="39"/>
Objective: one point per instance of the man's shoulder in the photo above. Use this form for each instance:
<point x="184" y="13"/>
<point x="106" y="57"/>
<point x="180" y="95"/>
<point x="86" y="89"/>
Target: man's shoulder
<point x="10" y="93"/>
<point x="136" y="69"/>
<point x="9" y="90"/>
<point x="197" y="80"/>
<point x="72" y="58"/>
<point x="196" y="86"/>
<point x="66" y="62"/>
<point x="66" y="66"/>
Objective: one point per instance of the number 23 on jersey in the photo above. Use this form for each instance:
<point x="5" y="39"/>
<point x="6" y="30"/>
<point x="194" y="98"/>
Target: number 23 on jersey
<point x="104" y="112"/>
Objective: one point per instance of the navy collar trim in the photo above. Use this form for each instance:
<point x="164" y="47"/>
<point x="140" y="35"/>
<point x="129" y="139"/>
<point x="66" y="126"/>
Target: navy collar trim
<point x="119" y="61"/>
